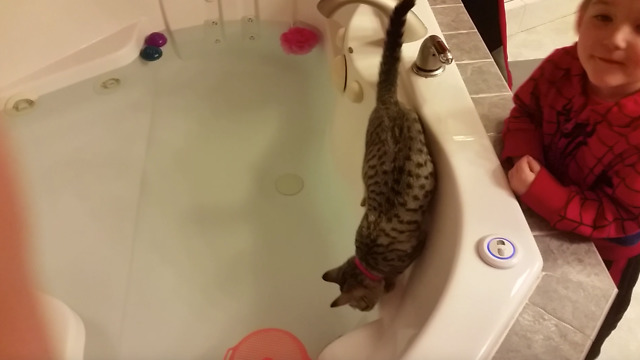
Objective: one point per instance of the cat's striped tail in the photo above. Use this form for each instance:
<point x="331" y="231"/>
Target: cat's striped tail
<point x="388" y="75"/>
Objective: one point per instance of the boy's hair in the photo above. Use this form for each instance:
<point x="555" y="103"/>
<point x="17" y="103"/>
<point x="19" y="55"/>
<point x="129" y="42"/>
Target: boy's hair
<point x="584" y="5"/>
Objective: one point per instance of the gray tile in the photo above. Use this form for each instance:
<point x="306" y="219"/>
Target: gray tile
<point x="537" y="224"/>
<point x="453" y="18"/>
<point x="521" y="70"/>
<point x="496" y="141"/>
<point x="582" y="305"/>
<point x="444" y="2"/>
<point x="467" y="46"/>
<point x="493" y="110"/>
<point x="574" y="257"/>
<point x="536" y="335"/>
<point x="482" y="77"/>
<point x="498" y="58"/>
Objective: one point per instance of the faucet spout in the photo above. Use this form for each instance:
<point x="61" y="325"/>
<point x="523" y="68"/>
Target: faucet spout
<point x="414" y="29"/>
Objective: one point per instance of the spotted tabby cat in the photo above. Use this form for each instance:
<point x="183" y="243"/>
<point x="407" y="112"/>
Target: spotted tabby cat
<point x="399" y="180"/>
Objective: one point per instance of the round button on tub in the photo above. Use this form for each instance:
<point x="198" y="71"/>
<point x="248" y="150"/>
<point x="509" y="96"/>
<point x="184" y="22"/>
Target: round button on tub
<point x="498" y="251"/>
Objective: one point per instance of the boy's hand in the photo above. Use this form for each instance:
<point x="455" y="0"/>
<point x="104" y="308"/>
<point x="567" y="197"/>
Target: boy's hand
<point x="522" y="174"/>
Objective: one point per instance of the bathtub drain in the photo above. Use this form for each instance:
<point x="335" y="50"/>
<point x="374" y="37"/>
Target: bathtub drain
<point x="289" y="184"/>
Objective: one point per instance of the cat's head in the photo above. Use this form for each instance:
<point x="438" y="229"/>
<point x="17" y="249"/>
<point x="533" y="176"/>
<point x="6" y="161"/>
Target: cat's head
<point x="356" y="289"/>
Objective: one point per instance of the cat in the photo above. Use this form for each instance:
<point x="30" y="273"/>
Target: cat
<point x="399" y="180"/>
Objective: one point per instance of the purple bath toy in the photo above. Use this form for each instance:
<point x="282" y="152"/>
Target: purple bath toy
<point x="155" y="39"/>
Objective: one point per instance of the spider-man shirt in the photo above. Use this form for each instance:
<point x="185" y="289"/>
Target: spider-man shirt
<point x="590" y="153"/>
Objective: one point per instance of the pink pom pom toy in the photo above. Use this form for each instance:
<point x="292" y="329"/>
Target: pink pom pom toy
<point x="298" y="40"/>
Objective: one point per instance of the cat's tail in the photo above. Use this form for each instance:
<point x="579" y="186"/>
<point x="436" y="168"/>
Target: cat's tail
<point x="388" y="75"/>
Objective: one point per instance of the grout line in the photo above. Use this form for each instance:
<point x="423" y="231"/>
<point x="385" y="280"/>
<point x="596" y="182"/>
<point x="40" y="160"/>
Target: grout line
<point x="474" y="61"/>
<point x="445" y="5"/>
<point x="459" y="32"/>
<point x="547" y="23"/>
<point x="559" y="320"/>
<point x="491" y="94"/>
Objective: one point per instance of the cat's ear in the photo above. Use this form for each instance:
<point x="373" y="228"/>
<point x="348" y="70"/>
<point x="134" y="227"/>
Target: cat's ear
<point x="332" y="275"/>
<point x="343" y="299"/>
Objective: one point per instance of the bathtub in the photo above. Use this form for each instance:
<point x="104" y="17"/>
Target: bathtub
<point x="158" y="203"/>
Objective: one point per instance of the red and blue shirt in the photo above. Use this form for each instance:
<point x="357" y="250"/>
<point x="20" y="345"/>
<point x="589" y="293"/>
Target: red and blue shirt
<point x="590" y="153"/>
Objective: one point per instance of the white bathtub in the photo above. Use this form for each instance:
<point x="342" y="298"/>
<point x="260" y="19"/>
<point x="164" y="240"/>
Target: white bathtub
<point x="157" y="217"/>
<point x="452" y="305"/>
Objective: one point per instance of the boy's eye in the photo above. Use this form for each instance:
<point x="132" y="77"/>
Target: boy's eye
<point x="603" y="18"/>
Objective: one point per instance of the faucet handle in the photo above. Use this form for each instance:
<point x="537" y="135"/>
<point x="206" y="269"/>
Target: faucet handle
<point x="432" y="57"/>
<point x="442" y="50"/>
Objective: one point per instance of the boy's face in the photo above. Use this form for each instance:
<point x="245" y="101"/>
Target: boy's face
<point x="609" y="46"/>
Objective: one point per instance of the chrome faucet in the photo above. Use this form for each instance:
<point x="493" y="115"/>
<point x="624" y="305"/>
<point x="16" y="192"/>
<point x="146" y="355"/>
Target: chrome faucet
<point x="413" y="30"/>
<point x="432" y="57"/>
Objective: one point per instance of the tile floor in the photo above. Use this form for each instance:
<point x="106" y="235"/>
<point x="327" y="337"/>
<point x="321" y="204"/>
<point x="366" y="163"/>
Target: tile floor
<point x="540" y="41"/>
<point x="526" y="49"/>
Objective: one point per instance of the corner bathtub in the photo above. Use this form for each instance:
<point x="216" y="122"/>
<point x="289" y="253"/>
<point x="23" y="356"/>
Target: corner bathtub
<point x="203" y="196"/>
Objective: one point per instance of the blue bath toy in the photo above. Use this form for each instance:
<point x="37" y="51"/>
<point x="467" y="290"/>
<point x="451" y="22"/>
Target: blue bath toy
<point x="151" y="53"/>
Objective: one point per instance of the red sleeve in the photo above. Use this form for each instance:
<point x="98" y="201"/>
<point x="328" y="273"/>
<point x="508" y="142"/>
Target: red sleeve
<point x="522" y="133"/>
<point x="605" y="213"/>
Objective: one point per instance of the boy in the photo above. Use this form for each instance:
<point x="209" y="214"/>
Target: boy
<point x="573" y="138"/>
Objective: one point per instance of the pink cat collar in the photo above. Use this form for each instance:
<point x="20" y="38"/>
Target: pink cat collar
<point x="366" y="272"/>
